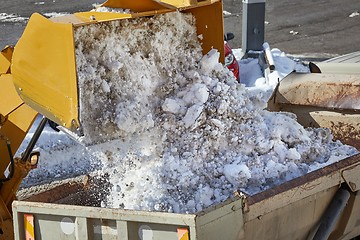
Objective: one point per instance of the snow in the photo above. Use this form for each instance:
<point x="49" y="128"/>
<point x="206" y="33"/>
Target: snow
<point x="55" y="14"/>
<point x="251" y="74"/>
<point x="292" y="32"/>
<point x="354" y="14"/>
<point x="6" y="17"/>
<point x="60" y="157"/>
<point x="174" y="131"/>
<point x="237" y="174"/>
<point x="112" y="10"/>
<point x="226" y="13"/>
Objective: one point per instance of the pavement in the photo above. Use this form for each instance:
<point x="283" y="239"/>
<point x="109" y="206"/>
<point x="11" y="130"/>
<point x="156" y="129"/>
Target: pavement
<point x="10" y="32"/>
<point x="321" y="28"/>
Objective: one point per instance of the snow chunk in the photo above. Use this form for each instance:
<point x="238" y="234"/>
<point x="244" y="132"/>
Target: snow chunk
<point x="210" y="62"/>
<point x="237" y="174"/>
<point x="171" y="105"/>
<point x="192" y="115"/>
<point x="354" y="14"/>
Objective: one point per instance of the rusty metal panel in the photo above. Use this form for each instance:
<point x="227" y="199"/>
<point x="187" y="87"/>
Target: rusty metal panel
<point x="343" y="125"/>
<point x="322" y="100"/>
<point x="352" y="177"/>
<point x="298" y="188"/>
<point x="295" y="220"/>
<point x="292" y="210"/>
<point x="321" y="90"/>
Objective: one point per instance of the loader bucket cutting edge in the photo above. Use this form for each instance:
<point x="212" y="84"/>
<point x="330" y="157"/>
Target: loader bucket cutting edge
<point x="44" y="62"/>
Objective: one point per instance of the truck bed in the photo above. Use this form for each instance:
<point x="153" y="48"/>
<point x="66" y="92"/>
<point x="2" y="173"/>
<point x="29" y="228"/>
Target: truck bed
<point x="291" y="210"/>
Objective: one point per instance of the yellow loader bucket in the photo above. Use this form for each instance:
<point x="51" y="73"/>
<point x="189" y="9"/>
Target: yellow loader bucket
<point x="44" y="61"/>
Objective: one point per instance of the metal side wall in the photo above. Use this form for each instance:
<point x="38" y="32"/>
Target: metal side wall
<point x="56" y="221"/>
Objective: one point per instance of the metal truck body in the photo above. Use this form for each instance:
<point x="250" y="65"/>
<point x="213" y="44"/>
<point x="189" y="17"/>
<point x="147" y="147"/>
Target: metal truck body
<point x="289" y="211"/>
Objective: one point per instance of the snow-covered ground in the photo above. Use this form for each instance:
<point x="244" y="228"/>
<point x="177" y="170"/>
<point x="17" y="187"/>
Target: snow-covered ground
<point x="181" y="134"/>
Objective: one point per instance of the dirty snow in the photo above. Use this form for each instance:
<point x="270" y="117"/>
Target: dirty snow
<point x="187" y="135"/>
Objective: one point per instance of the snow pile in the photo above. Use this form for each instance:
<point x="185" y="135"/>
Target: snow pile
<point x="187" y="134"/>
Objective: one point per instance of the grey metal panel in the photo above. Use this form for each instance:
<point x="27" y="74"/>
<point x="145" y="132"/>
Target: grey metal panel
<point x="81" y="228"/>
<point x="48" y="226"/>
<point x="105" y="213"/>
<point x="19" y="225"/>
<point x="253" y="29"/>
<point x="68" y="222"/>
<point x="56" y="221"/>
<point x="122" y="229"/>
